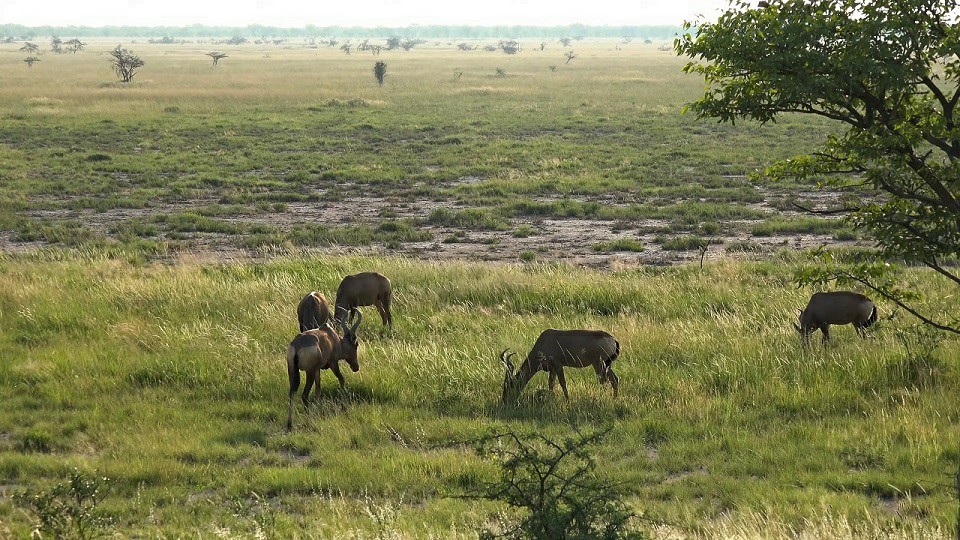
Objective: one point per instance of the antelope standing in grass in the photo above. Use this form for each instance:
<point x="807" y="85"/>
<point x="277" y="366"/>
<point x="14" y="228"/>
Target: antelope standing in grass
<point x="841" y="307"/>
<point x="313" y="311"/>
<point x="316" y="349"/>
<point x="364" y="289"/>
<point x="556" y="349"/>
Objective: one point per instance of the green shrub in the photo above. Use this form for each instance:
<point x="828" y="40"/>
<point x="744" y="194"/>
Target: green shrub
<point x="555" y="487"/>
<point x="69" y="509"/>
<point x="685" y="243"/>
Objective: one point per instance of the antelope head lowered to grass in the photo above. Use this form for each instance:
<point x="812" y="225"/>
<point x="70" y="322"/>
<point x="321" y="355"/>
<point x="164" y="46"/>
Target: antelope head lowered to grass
<point x="313" y="311"/>
<point x="364" y="289"/>
<point x="840" y="307"/>
<point x="316" y="349"/>
<point x="556" y="349"/>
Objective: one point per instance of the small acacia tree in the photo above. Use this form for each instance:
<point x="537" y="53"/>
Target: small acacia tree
<point x="570" y="55"/>
<point x="30" y="60"/>
<point x="380" y="71"/>
<point x="887" y="74"/>
<point x="75" y="45"/>
<point x="69" y="509"/>
<point x="124" y="63"/>
<point x="30" y="48"/>
<point x="555" y="487"/>
<point x="217" y="56"/>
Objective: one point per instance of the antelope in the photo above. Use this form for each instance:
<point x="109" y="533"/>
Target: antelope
<point x="556" y="349"/>
<point x="316" y="349"/>
<point x="313" y="311"/>
<point x="840" y="307"/>
<point x="364" y="289"/>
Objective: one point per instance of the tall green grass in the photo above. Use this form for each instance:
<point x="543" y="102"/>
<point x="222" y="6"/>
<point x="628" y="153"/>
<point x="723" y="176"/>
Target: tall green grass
<point x="170" y="380"/>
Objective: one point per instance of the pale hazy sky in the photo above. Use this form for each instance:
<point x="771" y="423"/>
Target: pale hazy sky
<point x="293" y="13"/>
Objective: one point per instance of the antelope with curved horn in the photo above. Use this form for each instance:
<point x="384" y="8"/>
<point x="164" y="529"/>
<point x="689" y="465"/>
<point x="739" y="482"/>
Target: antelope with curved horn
<point x="840" y="307"/>
<point x="316" y="349"/>
<point x="556" y="349"/>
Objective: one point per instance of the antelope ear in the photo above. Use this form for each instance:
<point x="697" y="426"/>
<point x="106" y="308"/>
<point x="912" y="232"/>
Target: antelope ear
<point x="543" y="362"/>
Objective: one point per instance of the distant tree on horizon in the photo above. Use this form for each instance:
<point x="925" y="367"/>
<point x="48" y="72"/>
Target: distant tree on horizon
<point x="216" y="55"/>
<point x="124" y="63"/>
<point x="380" y="71"/>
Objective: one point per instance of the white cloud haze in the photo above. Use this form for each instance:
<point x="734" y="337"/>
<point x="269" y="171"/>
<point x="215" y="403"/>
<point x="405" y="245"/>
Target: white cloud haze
<point x="292" y="13"/>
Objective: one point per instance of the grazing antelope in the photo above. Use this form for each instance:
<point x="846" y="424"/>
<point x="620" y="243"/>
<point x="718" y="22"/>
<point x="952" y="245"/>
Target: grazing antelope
<point x="364" y="289"/>
<point x="556" y="349"/>
<point x="316" y="349"/>
<point x="841" y="307"/>
<point x="313" y="311"/>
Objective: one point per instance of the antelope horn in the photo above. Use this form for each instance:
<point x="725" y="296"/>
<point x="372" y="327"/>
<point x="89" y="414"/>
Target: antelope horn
<point x="797" y="327"/>
<point x="505" y="360"/>
<point x="359" y="315"/>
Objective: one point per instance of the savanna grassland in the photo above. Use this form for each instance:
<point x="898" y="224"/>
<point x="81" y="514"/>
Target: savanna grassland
<point x="157" y="237"/>
<point x="283" y="147"/>
<point x="170" y="380"/>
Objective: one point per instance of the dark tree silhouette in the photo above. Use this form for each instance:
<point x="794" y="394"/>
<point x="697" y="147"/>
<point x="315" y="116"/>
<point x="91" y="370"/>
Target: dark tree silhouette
<point x="570" y="56"/>
<point x="30" y="48"/>
<point x="510" y="47"/>
<point x="124" y="63"/>
<point x="216" y="56"/>
<point x="380" y="71"/>
<point x="75" y="45"/>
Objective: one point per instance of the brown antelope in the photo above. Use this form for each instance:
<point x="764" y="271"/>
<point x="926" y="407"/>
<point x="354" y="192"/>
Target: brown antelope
<point x="841" y="307"/>
<point x="556" y="349"/>
<point x="316" y="349"/>
<point x="313" y="311"/>
<point x="364" y="289"/>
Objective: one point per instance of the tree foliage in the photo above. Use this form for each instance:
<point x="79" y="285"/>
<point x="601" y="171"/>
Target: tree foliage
<point x="216" y="56"/>
<point x="69" y="509"/>
<point x="888" y="74"/>
<point x="555" y="486"/>
<point x="125" y="64"/>
<point x="380" y="71"/>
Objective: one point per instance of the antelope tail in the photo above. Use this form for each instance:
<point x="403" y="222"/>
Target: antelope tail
<point x="616" y="353"/>
<point x="293" y="369"/>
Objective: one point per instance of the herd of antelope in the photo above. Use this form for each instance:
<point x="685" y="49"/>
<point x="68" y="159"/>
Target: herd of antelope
<point x="319" y="345"/>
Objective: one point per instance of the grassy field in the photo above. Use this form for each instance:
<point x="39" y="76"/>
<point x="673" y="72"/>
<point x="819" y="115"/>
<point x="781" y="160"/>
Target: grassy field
<point x="156" y="237"/>
<point x="170" y="380"/>
<point x="287" y="146"/>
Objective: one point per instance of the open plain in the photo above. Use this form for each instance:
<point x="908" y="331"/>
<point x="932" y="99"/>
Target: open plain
<point x="158" y="235"/>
